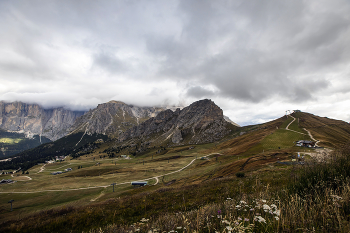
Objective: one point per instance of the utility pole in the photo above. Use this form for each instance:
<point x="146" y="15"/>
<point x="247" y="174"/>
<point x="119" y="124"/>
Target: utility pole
<point x="11" y="203"/>
<point x="113" y="186"/>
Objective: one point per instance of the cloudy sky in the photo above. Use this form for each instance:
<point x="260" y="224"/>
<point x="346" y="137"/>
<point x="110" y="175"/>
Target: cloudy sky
<point x="255" y="59"/>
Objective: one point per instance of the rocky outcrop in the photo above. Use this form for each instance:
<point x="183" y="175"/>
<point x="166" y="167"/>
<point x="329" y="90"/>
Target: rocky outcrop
<point x="201" y="122"/>
<point x="32" y="119"/>
<point x="177" y="136"/>
<point x="230" y="121"/>
<point x="113" y="118"/>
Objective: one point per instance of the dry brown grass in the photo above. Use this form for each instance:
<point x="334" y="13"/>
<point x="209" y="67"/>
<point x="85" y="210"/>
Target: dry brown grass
<point x="252" y="163"/>
<point x="330" y="132"/>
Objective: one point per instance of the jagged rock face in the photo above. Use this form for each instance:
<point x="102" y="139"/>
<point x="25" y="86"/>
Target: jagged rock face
<point x="113" y="118"/>
<point x="33" y="119"/>
<point x="201" y="122"/>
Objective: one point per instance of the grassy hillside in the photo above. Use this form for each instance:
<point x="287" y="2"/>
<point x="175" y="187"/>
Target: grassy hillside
<point x="331" y="133"/>
<point x="248" y="181"/>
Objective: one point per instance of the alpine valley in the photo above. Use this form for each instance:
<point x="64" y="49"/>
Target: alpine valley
<point x="124" y="168"/>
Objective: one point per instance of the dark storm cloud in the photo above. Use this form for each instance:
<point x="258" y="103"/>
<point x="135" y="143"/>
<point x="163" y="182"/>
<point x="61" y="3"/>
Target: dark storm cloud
<point x="242" y="51"/>
<point x="199" y="92"/>
<point x="253" y="50"/>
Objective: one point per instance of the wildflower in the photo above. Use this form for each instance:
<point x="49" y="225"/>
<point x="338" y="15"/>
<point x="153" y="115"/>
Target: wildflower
<point x="246" y="219"/>
<point x="229" y="198"/>
<point x="239" y="219"/>
<point x="257" y="214"/>
<point x="259" y="219"/>
<point x="219" y="211"/>
<point x="251" y="209"/>
<point x="227" y="222"/>
<point x="263" y="200"/>
<point x="266" y="207"/>
<point x="243" y="202"/>
<point x="277" y="218"/>
<point x="236" y="222"/>
<point x="277" y="212"/>
<point x="238" y="206"/>
<point x="229" y="228"/>
<point x="274" y="206"/>
<point x="144" y="220"/>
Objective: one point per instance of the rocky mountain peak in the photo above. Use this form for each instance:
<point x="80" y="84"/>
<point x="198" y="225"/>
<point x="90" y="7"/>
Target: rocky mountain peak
<point x="200" y="122"/>
<point x="113" y="118"/>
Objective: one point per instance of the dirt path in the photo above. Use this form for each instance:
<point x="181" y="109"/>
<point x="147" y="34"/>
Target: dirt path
<point x="157" y="180"/>
<point x="98" y="197"/>
<point x="287" y="128"/>
<point x="312" y="138"/>
<point x="105" y="186"/>
<point x="41" y="168"/>
<point x="19" y="178"/>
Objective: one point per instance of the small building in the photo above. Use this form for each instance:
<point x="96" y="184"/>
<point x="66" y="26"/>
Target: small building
<point x="56" y="173"/>
<point x="305" y="143"/>
<point x="139" y="183"/>
<point x="60" y="158"/>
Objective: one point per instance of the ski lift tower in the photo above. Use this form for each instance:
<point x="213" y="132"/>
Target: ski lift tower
<point x="11" y="203"/>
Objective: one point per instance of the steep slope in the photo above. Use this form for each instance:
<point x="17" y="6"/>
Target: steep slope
<point x="113" y="118"/>
<point x="69" y="145"/>
<point x="32" y="119"/>
<point x="201" y="122"/>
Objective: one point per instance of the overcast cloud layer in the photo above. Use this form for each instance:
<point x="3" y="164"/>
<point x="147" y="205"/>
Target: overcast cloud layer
<point x="255" y="59"/>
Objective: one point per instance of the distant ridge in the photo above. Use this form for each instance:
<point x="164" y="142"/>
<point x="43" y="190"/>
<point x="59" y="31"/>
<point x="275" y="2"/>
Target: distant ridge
<point x="32" y="119"/>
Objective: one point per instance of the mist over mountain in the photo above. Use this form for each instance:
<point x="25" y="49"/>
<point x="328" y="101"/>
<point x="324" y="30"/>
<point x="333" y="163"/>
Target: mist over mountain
<point x="32" y="119"/>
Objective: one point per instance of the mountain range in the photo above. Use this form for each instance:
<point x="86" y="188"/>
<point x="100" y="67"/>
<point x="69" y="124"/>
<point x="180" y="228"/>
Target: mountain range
<point x="201" y="122"/>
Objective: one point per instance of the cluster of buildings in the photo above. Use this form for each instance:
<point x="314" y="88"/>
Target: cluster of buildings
<point x="9" y="181"/>
<point x="60" y="172"/>
<point x="57" y="159"/>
